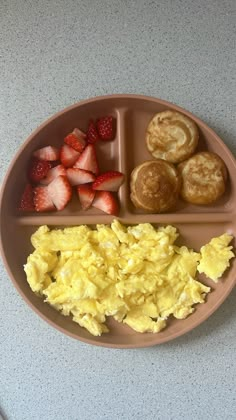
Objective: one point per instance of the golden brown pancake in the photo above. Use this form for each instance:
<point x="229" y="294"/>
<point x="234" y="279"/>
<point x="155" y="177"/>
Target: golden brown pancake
<point x="171" y="136"/>
<point x="155" y="186"/>
<point x="203" y="178"/>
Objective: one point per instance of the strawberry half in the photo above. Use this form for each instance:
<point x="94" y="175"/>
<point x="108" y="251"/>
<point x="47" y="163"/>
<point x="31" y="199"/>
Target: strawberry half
<point x="53" y="173"/>
<point x="88" y="160"/>
<point x="86" y="195"/>
<point x="92" y="134"/>
<point x="42" y="199"/>
<point x="60" y="192"/>
<point x="79" y="133"/>
<point x="47" y="153"/>
<point x="109" y="181"/>
<point x="105" y="128"/>
<point x="27" y="202"/>
<point x="38" y="169"/>
<point x="77" y="143"/>
<point x="78" y="176"/>
<point x="105" y="201"/>
<point x="68" y="156"/>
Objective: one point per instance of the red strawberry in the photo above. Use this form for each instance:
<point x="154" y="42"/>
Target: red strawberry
<point x="42" y="199"/>
<point x="86" y="195"/>
<point x="60" y="192"/>
<point x="109" y="181"/>
<point x="47" y="153"/>
<point x="92" y="134"/>
<point x="38" y="169"/>
<point x="105" y="201"/>
<point x="53" y="173"/>
<point x="77" y="143"/>
<point x="105" y="128"/>
<point x="68" y="155"/>
<point x="78" y="176"/>
<point x="88" y="160"/>
<point x="79" y="133"/>
<point x="27" y="202"/>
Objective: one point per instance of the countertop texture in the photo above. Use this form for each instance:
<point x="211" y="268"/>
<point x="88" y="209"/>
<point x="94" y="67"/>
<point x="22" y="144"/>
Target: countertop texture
<point x="55" y="53"/>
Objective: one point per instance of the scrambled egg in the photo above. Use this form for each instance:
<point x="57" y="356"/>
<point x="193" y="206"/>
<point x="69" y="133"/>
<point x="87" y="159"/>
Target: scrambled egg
<point x="136" y="274"/>
<point x="216" y="256"/>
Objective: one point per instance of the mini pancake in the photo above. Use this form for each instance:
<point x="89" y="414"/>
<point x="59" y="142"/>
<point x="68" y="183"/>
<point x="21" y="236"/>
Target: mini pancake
<point x="203" y="178"/>
<point x="155" y="186"/>
<point x="171" y="136"/>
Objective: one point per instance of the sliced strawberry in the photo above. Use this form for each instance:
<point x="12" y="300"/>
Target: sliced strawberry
<point x="77" y="143"/>
<point x="92" y="134"/>
<point x="47" y="153"/>
<point x="88" y="160"/>
<point x="78" y="176"/>
<point x="53" y="173"/>
<point x="27" y="202"/>
<point x="42" y="199"/>
<point x="109" y="181"/>
<point x="68" y="155"/>
<point x="105" y="127"/>
<point x="60" y="191"/>
<point x="38" y="169"/>
<point x="105" y="201"/>
<point x="86" y="195"/>
<point x="79" y="133"/>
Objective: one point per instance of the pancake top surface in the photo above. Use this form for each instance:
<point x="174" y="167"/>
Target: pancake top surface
<point x="171" y="136"/>
<point x="203" y="178"/>
<point x="155" y="185"/>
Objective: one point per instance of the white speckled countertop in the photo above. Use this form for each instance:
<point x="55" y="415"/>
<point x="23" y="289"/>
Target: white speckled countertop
<point x="55" y="53"/>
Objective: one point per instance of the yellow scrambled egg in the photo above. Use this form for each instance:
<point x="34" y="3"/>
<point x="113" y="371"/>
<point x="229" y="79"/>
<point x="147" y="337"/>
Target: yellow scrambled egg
<point x="136" y="274"/>
<point x="215" y="257"/>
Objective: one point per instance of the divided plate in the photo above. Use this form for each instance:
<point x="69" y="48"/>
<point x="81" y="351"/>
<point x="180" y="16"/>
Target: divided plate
<point x="196" y="224"/>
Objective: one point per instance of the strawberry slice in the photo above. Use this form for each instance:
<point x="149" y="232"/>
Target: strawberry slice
<point x="42" y="199"/>
<point x="92" y="134"/>
<point x="53" y="173"/>
<point x="88" y="160"/>
<point x="105" y="128"/>
<point x="86" y="195"/>
<point x="27" y="202"/>
<point x="47" y="153"/>
<point x="38" y="169"/>
<point x="68" y="156"/>
<point x="105" y="201"/>
<point x="79" y="133"/>
<point x="109" y="181"/>
<point x="77" y="143"/>
<point x="78" y="176"/>
<point x="60" y="192"/>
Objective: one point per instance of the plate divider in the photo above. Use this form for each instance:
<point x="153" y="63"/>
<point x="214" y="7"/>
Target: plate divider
<point x="121" y="117"/>
<point x="72" y="220"/>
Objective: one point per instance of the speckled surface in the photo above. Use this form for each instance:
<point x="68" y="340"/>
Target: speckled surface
<point x="55" y="53"/>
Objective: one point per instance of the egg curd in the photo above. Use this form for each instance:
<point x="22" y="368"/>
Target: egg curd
<point x="135" y="274"/>
<point x="215" y="257"/>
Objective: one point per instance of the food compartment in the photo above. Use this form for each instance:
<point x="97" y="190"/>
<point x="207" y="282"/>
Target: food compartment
<point x="136" y="121"/>
<point x="52" y="133"/>
<point x="193" y="235"/>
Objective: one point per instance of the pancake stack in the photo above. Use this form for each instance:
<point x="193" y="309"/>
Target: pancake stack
<point x="204" y="177"/>
<point x="155" y="186"/>
<point x="171" y="136"/>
